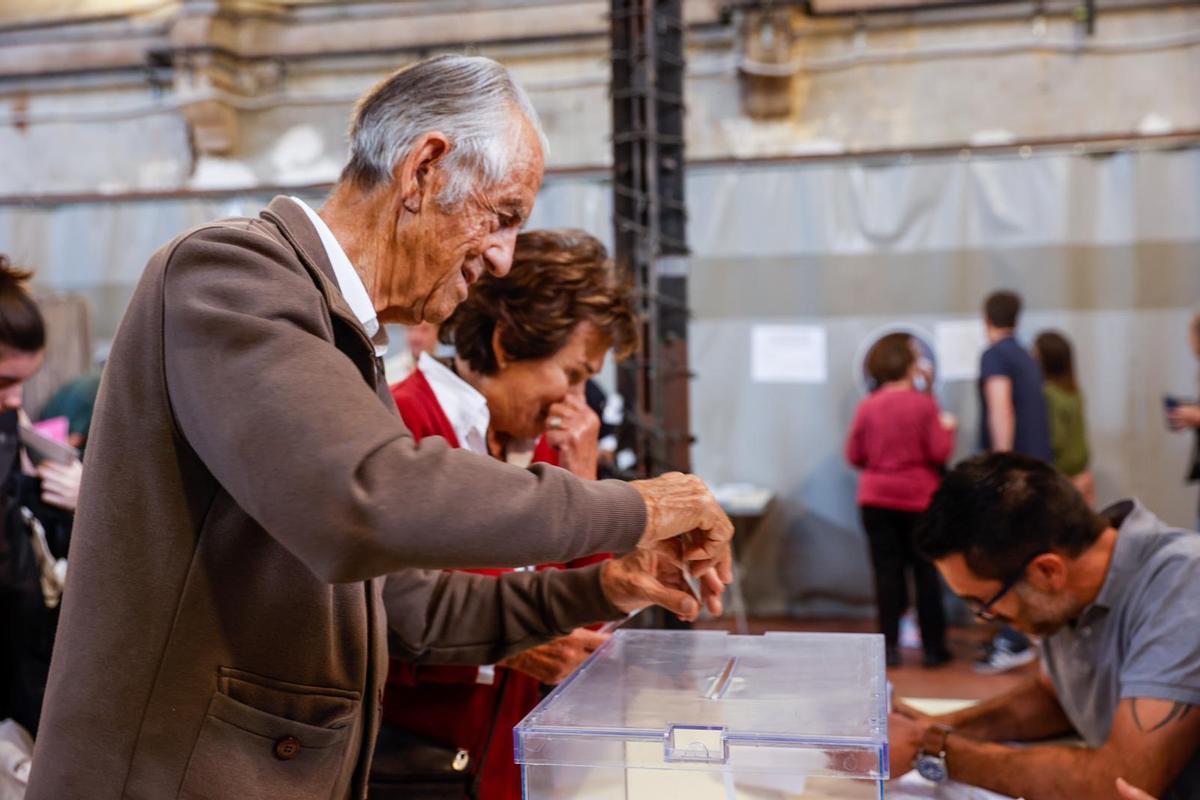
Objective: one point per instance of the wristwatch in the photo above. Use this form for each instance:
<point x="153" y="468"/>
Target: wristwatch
<point x="931" y="760"/>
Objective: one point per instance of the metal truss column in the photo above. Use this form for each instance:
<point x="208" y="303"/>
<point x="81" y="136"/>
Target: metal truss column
<point x="650" y="220"/>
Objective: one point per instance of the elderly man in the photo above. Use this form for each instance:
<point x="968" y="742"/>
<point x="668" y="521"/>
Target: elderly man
<point x="1116" y="596"/>
<point x="223" y="631"/>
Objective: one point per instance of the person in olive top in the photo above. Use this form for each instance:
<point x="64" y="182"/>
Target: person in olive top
<point x="1064" y="408"/>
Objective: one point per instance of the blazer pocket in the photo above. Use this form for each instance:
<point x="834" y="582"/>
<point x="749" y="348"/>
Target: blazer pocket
<point x="246" y="752"/>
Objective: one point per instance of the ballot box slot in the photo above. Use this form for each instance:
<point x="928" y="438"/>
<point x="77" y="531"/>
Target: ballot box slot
<point x="720" y="684"/>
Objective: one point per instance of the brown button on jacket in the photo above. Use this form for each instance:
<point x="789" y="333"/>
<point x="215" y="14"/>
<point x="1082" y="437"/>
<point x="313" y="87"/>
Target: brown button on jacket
<point x="248" y="480"/>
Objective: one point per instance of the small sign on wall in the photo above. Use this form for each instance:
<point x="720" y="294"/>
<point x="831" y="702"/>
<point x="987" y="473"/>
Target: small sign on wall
<point x="959" y="344"/>
<point x="788" y="354"/>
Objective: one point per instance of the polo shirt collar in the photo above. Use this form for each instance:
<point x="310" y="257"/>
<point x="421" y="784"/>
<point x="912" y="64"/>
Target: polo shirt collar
<point x="1132" y="521"/>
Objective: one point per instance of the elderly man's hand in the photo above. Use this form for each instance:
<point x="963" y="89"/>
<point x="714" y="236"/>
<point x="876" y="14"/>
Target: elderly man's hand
<point x="685" y="524"/>
<point x="645" y="578"/>
<point x="552" y="662"/>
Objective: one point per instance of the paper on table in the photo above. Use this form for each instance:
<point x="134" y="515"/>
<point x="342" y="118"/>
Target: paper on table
<point x="788" y="354"/>
<point x="959" y="344"/>
<point x="913" y="787"/>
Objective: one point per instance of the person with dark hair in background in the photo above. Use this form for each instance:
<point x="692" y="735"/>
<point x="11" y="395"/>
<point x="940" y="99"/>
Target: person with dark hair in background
<point x="1010" y="386"/>
<point x="1185" y="416"/>
<point x="900" y="440"/>
<point x="1115" y="596"/>
<point x="610" y="410"/>
<point x="525" y="348"/>
<point x="1065" y="410"/>
<point x="1012" y="417"/>
<point x="36" y="506"/>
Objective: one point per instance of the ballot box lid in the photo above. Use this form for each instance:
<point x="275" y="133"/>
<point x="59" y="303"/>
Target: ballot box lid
<point x="786" y="703"/>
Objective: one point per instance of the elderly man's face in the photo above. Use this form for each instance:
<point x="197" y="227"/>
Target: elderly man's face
<point x="441" y="252"/>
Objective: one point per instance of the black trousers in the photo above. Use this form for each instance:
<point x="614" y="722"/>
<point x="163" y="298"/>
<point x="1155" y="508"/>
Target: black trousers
<point x="890" y="534"/>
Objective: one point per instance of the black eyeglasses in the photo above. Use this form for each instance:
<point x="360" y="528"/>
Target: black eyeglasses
<point x="983" y="611"/>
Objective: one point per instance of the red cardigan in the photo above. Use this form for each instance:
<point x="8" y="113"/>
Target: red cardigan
<point x="900" y="445"/>
<point x="446" y="703"/>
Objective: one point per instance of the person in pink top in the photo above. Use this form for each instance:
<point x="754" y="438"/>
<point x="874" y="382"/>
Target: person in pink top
<point x="900" y="440"/>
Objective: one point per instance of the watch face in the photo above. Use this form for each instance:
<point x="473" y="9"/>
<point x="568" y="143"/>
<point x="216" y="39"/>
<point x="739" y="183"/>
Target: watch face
<point x="932" y="768"/>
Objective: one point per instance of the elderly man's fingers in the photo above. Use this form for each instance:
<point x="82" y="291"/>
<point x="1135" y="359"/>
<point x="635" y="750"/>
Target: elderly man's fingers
<point x="724" y="568"/>
<point x="701" y="547"/>
<point x="711" y="584"/>
<point x="711" y="590"/>
<point x="681" y="603"/>
<point x="670" y="551"/>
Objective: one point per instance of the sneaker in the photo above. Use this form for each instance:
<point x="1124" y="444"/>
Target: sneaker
<point x="1001" y="659"/>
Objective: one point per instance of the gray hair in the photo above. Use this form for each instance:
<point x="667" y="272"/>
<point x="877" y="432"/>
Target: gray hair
<point x="470" y="99"/>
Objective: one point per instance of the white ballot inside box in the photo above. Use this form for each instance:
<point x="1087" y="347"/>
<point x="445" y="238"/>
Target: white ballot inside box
<point x="705" y="715"/>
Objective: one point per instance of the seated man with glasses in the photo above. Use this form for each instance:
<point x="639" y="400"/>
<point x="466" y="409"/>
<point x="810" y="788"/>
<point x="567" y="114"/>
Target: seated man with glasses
<point x="1115" y="596"/>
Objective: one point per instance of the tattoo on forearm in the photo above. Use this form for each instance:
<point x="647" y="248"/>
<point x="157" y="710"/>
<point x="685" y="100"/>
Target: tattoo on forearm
<point x="1178" y="711"/>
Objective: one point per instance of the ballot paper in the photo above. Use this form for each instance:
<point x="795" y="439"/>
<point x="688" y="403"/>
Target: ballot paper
<point x="913" y="787"/>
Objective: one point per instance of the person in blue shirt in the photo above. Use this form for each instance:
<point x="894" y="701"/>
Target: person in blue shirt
<point x="1013" y="404"/>
<point x="1012" y="418"/>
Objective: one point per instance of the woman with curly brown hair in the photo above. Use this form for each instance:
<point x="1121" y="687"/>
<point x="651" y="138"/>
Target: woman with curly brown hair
<point x="525" y="348"/>
<point x="528" y="344"/>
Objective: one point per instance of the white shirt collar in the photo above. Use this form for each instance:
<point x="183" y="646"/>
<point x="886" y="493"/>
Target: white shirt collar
<point x="350" y="284"/>
<point x="462" y="404"/>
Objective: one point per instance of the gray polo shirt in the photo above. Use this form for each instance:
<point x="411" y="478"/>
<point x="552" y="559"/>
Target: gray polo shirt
<point x="1141" y="636"/>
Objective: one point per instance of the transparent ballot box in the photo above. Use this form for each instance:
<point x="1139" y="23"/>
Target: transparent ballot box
<point x="705" y="715"/>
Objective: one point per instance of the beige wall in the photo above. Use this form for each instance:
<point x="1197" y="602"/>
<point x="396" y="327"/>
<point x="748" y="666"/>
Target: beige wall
<point x="920" y="82"/>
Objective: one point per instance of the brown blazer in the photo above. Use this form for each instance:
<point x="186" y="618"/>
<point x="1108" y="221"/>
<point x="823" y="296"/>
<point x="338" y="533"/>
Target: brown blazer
<point x="223" y="630"/>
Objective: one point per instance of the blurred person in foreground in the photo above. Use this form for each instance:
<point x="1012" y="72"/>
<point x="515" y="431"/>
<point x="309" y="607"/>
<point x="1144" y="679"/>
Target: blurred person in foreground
<point x="525" y="348"/>
<point x="901" y="440"/>
<point x="36" y="505"/>
<point x="1065" y="411"/>
<point x="225" y="634"/>
<point x="1013" y="418"/>
<point x="1115" y="596"/>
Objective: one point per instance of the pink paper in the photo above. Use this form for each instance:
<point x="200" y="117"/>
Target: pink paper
<point x="56" y="428"/>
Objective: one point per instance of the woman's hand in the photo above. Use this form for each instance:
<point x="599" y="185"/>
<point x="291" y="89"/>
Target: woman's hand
<point x="60" y="483"/>
<point x="1184" y="416"/>
<point x="574" y="430"/>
